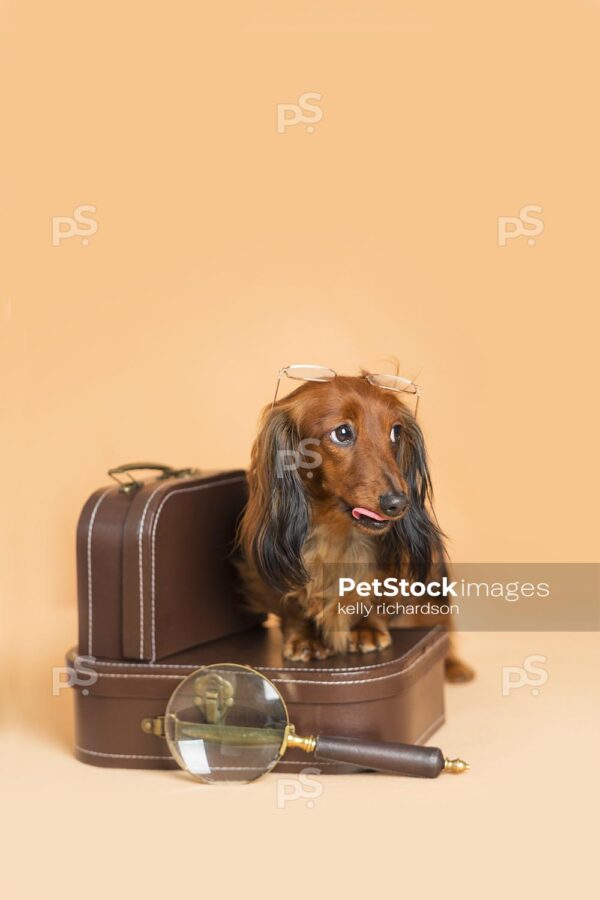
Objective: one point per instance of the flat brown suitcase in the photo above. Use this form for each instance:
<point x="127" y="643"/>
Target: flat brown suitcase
<point x="153" y="569"/>
<point x="394" y="695"/>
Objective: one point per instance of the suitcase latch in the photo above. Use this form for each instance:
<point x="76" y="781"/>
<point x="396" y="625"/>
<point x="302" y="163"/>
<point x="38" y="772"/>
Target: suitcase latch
<point x="154" y="726"/>
<point x="214" y="696"/>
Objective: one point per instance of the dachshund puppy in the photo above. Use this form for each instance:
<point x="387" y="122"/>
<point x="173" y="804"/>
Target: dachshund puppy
<point x="338" y="478"/>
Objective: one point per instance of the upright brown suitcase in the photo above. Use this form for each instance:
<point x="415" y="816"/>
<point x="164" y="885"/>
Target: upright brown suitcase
<point x="394" y="695"/>
<point x="153" y="563"/>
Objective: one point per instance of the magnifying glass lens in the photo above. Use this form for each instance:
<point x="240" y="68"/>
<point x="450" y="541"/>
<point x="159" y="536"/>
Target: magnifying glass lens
<point x="226" y="723"/>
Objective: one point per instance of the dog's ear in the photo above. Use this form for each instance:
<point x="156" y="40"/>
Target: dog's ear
<point x="415" y="542"/>
<point x="276" y="519"/>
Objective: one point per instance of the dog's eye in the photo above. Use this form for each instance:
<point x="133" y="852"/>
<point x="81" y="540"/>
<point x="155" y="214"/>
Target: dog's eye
<point x="343" y="434"/>
<point x="395" y="433"/>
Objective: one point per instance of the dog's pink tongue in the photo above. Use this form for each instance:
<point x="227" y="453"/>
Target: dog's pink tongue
<point x="359" y="511"/>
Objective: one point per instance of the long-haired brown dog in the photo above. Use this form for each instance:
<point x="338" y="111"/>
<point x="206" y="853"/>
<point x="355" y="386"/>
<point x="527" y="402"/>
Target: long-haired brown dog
<point x="339" y="475"/>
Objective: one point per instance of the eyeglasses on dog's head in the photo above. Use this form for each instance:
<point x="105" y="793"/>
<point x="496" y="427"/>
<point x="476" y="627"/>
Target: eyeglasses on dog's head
<point x="324" y="373"/>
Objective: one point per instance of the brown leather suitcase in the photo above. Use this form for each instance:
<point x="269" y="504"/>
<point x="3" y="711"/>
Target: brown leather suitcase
<point x="394" y="695"/>
<point x="153" y="569"/>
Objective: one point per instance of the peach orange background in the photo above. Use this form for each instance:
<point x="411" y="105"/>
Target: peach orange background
<point x="226" y="249"/>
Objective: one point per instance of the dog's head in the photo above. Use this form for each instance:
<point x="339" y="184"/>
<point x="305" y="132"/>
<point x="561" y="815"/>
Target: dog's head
<point x="348" y="454"/>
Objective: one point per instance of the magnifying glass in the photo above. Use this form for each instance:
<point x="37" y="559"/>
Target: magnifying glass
<point x="229" y="723"/>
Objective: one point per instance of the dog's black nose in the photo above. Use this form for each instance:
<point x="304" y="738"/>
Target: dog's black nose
<point x="392" y="504"/>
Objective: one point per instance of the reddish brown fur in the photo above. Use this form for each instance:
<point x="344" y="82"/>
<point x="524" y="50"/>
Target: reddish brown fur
<point x="310" y="507"/>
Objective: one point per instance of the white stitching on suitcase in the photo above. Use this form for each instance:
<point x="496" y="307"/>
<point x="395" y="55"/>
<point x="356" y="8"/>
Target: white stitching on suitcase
<point x="197" y="487"/>
<point x="284" y="680"/>
<point x="414" y="663"/>
<point x="140" y="565"/>
<point x="147" y="756"/>
<point x="199" y="665"/>
<point x="316" y="760"/>
<point x="89" y="567"/>
<point x="357" y="681"/>
<point x="136" y="675"/>
<point x="121" y="755"/>
<point x="274" y="680"/>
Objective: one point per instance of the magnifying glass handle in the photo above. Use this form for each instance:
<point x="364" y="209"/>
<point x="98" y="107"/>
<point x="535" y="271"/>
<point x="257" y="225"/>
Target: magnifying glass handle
<point x="402" y="759"/>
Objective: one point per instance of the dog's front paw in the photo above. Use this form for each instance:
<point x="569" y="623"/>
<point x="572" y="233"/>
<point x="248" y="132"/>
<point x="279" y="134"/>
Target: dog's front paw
<point x="366" y="639"/>
<point x="301" y="649"/>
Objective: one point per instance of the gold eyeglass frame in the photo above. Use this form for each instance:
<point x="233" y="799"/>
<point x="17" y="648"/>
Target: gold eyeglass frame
<point x="399" y="384"/>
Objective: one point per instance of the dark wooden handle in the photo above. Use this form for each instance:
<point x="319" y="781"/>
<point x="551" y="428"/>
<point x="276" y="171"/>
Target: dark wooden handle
<point x="403" y="759"/>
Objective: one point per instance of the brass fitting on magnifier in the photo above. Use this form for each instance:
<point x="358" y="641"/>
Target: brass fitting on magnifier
<point x="294" y="740"/>
<point x="455" y="766"/>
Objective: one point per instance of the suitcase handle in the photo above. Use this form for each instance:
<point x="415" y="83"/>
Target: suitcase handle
<point x="132" y="484"/>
